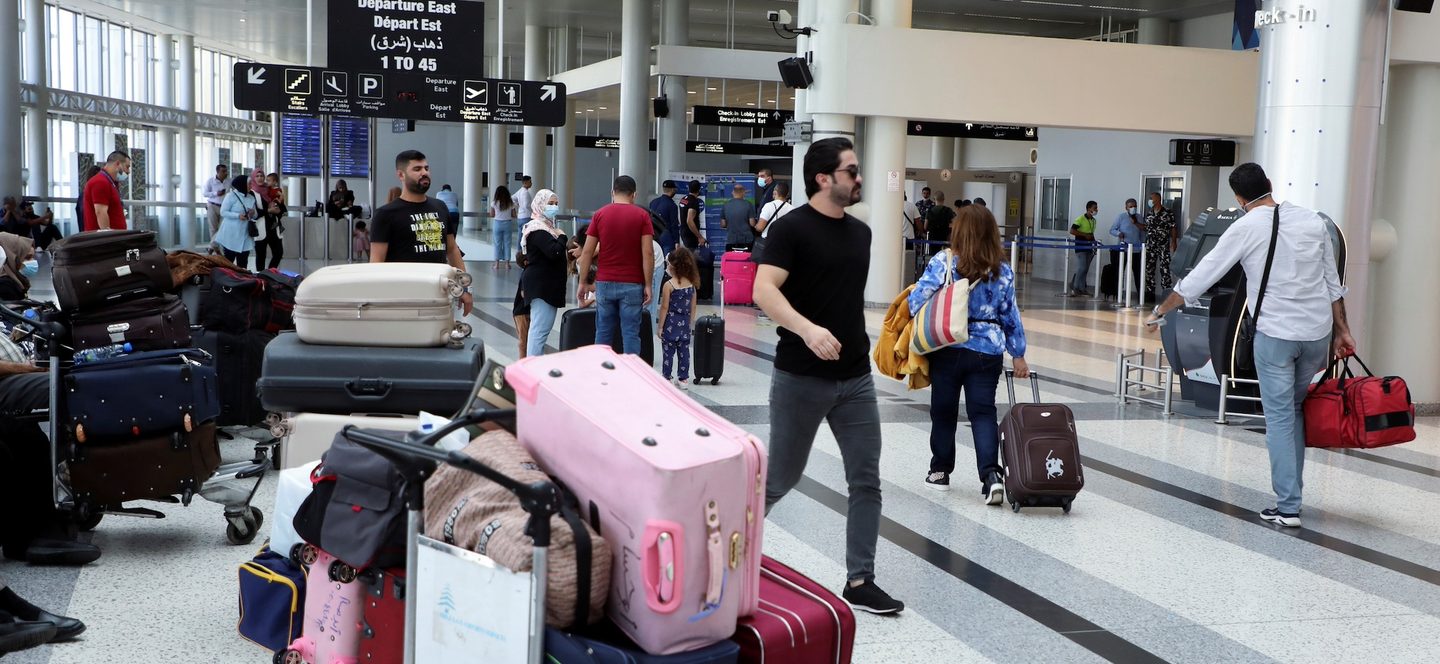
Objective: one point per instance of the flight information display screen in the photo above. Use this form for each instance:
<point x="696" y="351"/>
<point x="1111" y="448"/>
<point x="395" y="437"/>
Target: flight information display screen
<point x="299" y="144"/>
<point x="349" y="147"/>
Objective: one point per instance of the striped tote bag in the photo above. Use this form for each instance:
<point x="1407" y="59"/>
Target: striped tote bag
<point x="944" y="320"/>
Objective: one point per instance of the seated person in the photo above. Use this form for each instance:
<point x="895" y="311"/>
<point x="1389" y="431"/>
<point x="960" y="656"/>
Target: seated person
<point x="42" y="226"/>
<point x="24" y="625"/>
<point x="11" y="219"/>
<point x="17" y="266"/>
<point x="342" y="202"/>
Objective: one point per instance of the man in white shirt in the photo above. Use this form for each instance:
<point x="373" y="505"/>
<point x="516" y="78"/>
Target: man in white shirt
<point x="912" y="214"/>
<point x="215" y="190"/>
<point x="1302" y="319"/>
<point x="522" y="197"/>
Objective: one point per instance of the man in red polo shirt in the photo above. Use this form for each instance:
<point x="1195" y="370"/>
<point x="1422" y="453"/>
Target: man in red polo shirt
<point x="622" y="232"/>
<point x="102" y="194"/>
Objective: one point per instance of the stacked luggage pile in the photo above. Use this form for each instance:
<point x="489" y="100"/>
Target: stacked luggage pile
<point x="652" y="551"/>
<point x="139" y="404"/>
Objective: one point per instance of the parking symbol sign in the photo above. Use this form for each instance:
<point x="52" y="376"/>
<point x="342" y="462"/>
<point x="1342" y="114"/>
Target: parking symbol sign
<point x="371" y="86"/>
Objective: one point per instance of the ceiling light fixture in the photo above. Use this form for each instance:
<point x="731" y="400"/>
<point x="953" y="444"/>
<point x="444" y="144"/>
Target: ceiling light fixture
<point x="712" y="89"/>
<point x="1121" y="9"/>
<point x="1007" y="18"/>
<point x="604" y="108"/>
<point x="1052" y="4"/>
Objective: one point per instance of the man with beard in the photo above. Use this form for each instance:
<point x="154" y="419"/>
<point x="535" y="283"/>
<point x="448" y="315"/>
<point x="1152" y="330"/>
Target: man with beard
<point x="413" y="228"/>
<point x="811" y="282"/>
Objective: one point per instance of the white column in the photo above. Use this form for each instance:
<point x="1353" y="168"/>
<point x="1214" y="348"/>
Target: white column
<point x="37" y="133"/>
<point x="497" y="136"/>
<point x="565" y="159"/>
<point x="804" y="17"/>
<point x="635" y="17"/>
<point x="535" y="70"/>
<point x="1318" y="121"/>
<point x="1154" y="31"/>
<point x="882" y="166"/>
<point x="958" y="158"/>
<point x="165" y="137"/>
<point x="472" y="184"/>
<point x="675" y="31"/>
<point x="185" y="142"/>
<point x="827" y="49"/>
<point x="1410" y="230"/>
<point x="942" y="153"/>
<point x="10" y="181"/>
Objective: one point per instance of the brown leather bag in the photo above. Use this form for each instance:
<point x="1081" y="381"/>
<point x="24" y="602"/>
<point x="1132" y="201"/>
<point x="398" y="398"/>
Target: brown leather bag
<point x="92" y="270"/>
<point x="148" y="468"/>
<point x="470" y="512"/>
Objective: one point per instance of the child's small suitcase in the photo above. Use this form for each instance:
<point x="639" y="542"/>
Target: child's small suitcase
<point x="382" y="631"/>
<point x="334" y="612"/>
<point x="272" y="596"/>
<point x="381" y="304"/>
<point x="1040" y="452"/>
<point x="708" y="345"/>
<point x="737" y="271"/>
<point x="306" y="436"/>
<point x="297" y="377"/>
<point x="178" y="391"/>
<point x="577" y="329"/>
<point x="799" y="622"/>
<point x="685" y="526"/>
<point x="290" y="491"/>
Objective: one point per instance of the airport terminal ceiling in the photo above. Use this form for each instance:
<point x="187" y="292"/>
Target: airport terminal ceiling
<point x="275" y="29"/>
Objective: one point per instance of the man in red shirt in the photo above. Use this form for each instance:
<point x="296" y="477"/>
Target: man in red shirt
<point x="102" y="194"/>
<point x="622" y="233"/>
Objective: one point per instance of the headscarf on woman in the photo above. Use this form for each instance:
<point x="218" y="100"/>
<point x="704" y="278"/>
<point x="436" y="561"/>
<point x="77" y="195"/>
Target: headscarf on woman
<point x="258" y="186"/>
<point x="538" y="220"/>
<point x="17" y="248"/>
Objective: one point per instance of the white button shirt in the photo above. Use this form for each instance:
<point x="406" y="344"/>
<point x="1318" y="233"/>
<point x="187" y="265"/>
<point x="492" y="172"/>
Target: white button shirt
<point x="1303" y="279"/>
<point x="522" y="200"/>
<point x="215" y="190"/>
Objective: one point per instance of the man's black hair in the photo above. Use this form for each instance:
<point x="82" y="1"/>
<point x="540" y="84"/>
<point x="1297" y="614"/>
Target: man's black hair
<point x="694" y="186"/>
<point x="1248" y="181"/>
<point x="403" y="159"/>
<point x="1090" y="204"/>
<point x="823" y="157"/>
<point x="525" y="178"/>
<point x="220" y="166"/>
<point x="784" y="189"/>
<point x="444" y="187"/>
<point x="623" y="185"/>
<point x="117" y="157"/>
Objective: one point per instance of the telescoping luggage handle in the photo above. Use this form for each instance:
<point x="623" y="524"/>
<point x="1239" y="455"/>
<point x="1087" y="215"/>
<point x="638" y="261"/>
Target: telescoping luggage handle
<point x="416" y="458"/>
<point x="1034" y="385"/>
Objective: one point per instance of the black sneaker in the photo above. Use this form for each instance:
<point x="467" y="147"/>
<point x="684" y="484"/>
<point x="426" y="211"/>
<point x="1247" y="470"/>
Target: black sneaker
<point x="938" y="481"/>
<point x="869" y="597"/>
<point x="1277" y="517"/>
<point x="993" y="489"/>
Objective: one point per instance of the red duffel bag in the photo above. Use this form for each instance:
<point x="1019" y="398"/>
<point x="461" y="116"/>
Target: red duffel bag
<point x="1368" y="411"/>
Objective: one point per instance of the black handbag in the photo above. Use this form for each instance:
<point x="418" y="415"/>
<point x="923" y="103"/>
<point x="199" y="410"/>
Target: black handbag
<point x="1244" y="360"/>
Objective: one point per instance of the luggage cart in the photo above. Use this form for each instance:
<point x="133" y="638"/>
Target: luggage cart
<point x="226" y="485"/>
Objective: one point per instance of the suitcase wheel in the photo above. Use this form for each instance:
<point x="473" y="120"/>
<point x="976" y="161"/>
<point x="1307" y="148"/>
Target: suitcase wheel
<point x="1066" y="506"/>
<point x="715" y="381"/>
<point x="247" y="527"/>
<point x="308" y="554"/>
<point x="342" y="573"/>
<point x="289" y="657"/>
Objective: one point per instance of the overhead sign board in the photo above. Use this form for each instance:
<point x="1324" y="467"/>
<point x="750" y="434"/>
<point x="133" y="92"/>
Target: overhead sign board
<point x="698" y="147"/>
<point x="331" y="91"/>
<point x="1191" y="152"/>
<point x="728" y="116"/>
<point x="972" y="130"/>
<point x="426" y="36"/>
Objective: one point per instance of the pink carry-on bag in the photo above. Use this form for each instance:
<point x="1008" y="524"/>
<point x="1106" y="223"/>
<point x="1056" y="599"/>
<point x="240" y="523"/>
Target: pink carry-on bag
<point x="333" y="613"/>
<point x="676" y="491"/>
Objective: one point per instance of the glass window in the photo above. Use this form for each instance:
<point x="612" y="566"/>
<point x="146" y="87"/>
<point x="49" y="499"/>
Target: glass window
<point x="1054" y="212"/>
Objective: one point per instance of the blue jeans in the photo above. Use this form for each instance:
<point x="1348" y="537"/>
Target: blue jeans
<point x="542" y="320"/>
<point x="503" y="234"/>
<point x="1082" y="270"/>
<point x="1285" y="369"/>
<point x="655" y="285"/>
<point x="978" y="374"/>
<point x="614" y="299"/>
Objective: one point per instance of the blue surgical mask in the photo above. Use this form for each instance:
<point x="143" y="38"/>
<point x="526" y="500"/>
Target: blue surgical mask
<point x="552" y="210"/>
<point x="122" y="176"/>
<point x="30" y="268"/>
<point x="760" y="181"/>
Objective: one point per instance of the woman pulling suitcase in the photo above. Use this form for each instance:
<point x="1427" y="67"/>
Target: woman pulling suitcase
<point x="974" y="366"/>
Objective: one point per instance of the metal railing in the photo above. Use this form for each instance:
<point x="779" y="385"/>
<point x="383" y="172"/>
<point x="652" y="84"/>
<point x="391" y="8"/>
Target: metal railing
<point x="1227" y="382"/>
<point x="1131" y="371"/>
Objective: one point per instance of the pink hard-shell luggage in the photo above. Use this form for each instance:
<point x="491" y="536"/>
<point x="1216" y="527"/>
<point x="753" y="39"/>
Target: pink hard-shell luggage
<point x="676" y="491"/>
<point x="333" y="619"/>
<point x="737" y="272"/>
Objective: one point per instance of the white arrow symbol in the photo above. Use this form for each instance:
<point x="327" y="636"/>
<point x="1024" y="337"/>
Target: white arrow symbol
<point x="255" y="76"/>
<point x="547" y="92"/>
<point x="471" y="93"/>
<point x="969" y="125"/>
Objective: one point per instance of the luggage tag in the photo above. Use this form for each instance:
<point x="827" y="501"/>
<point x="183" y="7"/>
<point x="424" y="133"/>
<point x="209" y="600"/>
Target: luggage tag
<point x="454" y="442"/>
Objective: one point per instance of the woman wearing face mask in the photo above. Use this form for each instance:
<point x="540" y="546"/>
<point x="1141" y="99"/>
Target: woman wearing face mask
<point x="236" y="212"/>
<point x="17" y="266"/>
<point x="1127" y="229"/>
<point x="546" y="268"/>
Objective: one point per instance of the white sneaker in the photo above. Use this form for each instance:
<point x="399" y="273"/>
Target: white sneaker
<point x="684" y="385"/>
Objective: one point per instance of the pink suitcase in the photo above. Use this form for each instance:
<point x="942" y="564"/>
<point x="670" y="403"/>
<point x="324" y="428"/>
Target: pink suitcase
<point x="737" y="272"/>
<point x="678" y="491"/>
<point x="799" y="622"/>
<point x="333" y="619"/>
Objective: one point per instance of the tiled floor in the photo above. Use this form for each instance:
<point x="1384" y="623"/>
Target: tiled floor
<point x="1162" y="559"/>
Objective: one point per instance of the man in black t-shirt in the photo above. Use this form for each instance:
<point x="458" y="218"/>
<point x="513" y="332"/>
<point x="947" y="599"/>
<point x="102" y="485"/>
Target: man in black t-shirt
<point x="692" y="218"/>
<point x="415" y="228"/>
<point x="811" y="282"/>
<point x="937" y="222"/>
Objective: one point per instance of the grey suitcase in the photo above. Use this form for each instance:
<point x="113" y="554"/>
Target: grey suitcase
<point x="297" y="377"/>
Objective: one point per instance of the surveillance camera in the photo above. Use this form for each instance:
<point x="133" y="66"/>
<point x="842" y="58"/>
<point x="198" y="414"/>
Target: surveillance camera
<point x="780" y="16"/>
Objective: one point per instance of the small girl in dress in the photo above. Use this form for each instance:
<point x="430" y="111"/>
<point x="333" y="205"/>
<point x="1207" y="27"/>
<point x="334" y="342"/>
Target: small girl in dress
<point x="677" y="314"/>
<point x="360" y="244"/>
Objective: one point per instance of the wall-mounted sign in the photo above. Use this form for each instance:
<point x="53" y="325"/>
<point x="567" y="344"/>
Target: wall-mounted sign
<point x="971" y="130"/>
<point x="423" y="36"/>
<point x="728" y="116"/>
<point x="698" y="147"/>
<point x="1191" y="152"/>
<point x="1277" y="16"/>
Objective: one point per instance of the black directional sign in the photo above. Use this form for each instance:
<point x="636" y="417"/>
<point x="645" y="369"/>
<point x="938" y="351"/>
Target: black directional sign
<point x="422" y="36"/>
<point x="329" y="91"/>
<point x="972" y="130"/>
<point x="729" y="116"/>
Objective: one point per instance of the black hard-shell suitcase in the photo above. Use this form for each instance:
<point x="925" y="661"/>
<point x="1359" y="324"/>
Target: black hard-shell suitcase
<point x="1110" y="280"/>
<point x="237" y="367"/>
<point x="708" y="345"/>
<point x="193" y="293"/>
<point x="149" y="323"/>
<point x="706" y="289"/>
<point x="1040" y="452"/>
<point x="92" y="270"/>
<point x="297" y="377"/>
<point x="577" y="329"/>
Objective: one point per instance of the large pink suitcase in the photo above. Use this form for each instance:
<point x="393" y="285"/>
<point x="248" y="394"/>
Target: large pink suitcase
<point x="678" y="492"/>
<point x="799" y="622"/>
<point x="333" y="619"/>
<point x="737" y="271"/>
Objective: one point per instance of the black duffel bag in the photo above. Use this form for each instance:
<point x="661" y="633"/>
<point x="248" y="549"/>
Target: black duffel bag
<point x="236" y="302"/>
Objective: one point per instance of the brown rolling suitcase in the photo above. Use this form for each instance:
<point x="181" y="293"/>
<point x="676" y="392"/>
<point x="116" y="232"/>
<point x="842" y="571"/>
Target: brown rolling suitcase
<point x="149" y="323"/>
<point x="145" y="469"/>
<point x="1040" y="452"/>
<point x="93" y="270"/>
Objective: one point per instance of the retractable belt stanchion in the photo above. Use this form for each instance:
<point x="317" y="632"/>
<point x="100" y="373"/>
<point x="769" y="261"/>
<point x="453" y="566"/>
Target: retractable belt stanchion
<point x="1095" y="260"/>
<point x="1144" y="265"/>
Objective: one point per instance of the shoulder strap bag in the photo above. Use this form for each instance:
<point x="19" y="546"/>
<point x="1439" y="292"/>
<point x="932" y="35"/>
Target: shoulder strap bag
<point x="1244" y="354"/>
<point x="944" y="320"/>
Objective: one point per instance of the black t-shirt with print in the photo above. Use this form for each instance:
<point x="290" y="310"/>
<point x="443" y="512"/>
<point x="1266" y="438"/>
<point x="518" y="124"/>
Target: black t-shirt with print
<point x="828" y="260"/>
<point x="697" y="204"/>
<point x="414" y="232"/>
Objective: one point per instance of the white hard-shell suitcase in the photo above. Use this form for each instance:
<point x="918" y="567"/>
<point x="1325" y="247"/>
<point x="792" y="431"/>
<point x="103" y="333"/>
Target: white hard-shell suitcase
<point x="306" y="436"/>
<point x="381" y="304"/>
<point x="292" y="489"/>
